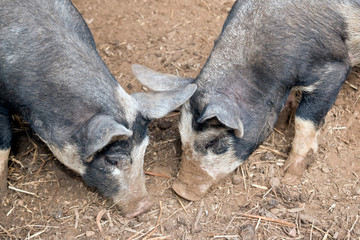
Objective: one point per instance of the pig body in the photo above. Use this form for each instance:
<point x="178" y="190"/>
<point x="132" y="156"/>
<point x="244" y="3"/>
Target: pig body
<point x="52" y="75"/>
<point x="265" y="49"/>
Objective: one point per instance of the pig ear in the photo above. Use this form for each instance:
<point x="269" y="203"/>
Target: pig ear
<point x="158" y="104"/>
<point x="99" y="132"/>
<point x="227" y="114"/>
<point x="156" y="81"/>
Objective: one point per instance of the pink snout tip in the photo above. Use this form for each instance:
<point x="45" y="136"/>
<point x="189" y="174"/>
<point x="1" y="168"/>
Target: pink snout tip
<point x="183" y="191"/>
<point x="138" y="208"/>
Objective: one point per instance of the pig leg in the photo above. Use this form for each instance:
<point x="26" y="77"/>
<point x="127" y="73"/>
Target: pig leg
<point x="5" y="144"/>
<point x="316" y="101"/>
<point x="287" y="113"/>
<point x="306" y="133"/>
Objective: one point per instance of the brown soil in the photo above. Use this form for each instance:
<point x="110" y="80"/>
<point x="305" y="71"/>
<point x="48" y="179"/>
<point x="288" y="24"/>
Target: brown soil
<point x="176" y="37"/>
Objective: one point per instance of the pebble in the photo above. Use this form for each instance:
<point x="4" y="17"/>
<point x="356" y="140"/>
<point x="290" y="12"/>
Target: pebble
<point x="163" y="125"/>
<point x="325" y="170"/>
<point x="170" y="225"/>
<point x="292" y="233"/>
<point x="132" y="223"/>
<point x="143" y="218"/>
<point x="248" y="232"/>
<point x="267" y="156"/>
<point x="71" y="233"/>
<point x="271" y="172"/>
<point x="89" y="233"/>
<point x="273" y="202"/>
<point x="20" y="203"/>
<point x="181" y="220"/>
<point x="237" y="179"/>
<point x="357" y="190"/>
<point x="275" y="182"/>
<point x="270" y="215"/>
<point x="129" y="47"/>
<point x="58" y="214"/>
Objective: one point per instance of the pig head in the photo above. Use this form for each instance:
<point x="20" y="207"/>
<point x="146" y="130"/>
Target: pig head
<point x="212" y="132"/>
<point x="108" y="151"/>
<point x="52" y="75"/>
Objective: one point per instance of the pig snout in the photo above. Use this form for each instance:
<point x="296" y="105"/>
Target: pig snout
<point x="137" y="207"/>
<point x="133" y="204"/>
<point x="193" y="181"/>
<point x="134" y="200"/>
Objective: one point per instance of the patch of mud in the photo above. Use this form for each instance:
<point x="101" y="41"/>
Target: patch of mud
<point x="192" y="182"/>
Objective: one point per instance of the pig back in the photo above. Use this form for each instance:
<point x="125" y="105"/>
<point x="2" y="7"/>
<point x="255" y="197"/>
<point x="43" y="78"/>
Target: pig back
<point x="50" y="71"/>
<point x="276" y="40"/>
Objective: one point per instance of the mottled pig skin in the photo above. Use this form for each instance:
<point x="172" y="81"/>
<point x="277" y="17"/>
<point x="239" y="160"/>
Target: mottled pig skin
<point x="266" y="48"/>
<point x="53" y="77"/>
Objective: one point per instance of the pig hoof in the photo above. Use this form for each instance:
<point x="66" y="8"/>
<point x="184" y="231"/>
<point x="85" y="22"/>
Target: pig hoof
<point x="290" y="179"/>
<point x="139" y="208"/>
<point x="184" y="192"/>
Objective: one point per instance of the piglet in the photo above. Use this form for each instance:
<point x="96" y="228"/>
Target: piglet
<point x="266" y="48"/>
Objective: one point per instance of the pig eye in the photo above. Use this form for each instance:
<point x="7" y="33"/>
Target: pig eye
<point x="111" y="161"/>
<point x="115" y="159"/>
<point x="212" y="143"/>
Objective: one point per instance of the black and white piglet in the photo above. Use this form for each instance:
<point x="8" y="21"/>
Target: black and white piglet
<point x="52" y="75"/>
<point x="265" y="49"/>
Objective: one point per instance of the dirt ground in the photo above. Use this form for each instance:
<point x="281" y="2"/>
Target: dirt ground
<point x="176" y="36"/>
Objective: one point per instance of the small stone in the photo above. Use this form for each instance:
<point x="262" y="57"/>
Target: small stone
<point x="58" y="214"/>
<point x="270" y="215"/>
<point x="20" y="203"/>
<point x="325" y="170"/>
<point x="273" y="202"/>
<point x="292" y="233"/>
<point x="271" y="172"/>
<point x="357" y="190"/>
<point x="169" y="226"/>
<point x="129" y="47"/>
<point x="132" y="223"/>
<point x="275" y="182"/>
<point x="71" y="233"/>
<point x="89" y="233"/>
<point x="267" y="156"/>
<point x="163" y="125"/>
<point x="182" y="221"/>
<point x="248" y="232"/>
<point x="237" y="179"/>
<point x="143" y="218"/>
